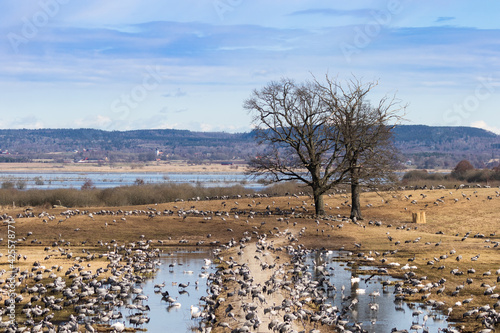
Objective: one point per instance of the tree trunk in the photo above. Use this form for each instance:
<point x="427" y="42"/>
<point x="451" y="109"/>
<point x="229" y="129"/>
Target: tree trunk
<point x="355" y="193"/>
<point x="319" y="204"/>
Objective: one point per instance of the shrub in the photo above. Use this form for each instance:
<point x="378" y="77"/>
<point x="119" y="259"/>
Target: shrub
<point x="478" y="175"/>
<point x="133" y="195"/>
<point x="39" y="181"/>
<point x="415" y="175"/>
<point x="20" y="184"/>
<point x="88" y="185"/>
<point x="7" y="184"/>
<point x="283" y="188"/>
<point x="461" y="169"/>
<point x="422" y="175"/>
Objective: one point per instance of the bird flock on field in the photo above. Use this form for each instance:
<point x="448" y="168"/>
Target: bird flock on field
<point x="235" y="302"/>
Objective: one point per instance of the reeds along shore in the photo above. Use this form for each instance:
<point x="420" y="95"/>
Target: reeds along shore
<point x="143" y="194"/>
<point x="132" y="195"/>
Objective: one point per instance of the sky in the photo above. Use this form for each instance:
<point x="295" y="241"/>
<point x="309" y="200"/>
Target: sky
<point x="157" y="64"/>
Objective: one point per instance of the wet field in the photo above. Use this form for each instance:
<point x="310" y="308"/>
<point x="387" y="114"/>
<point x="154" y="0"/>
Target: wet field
<point x="178" y="266"/>
<point x="375" y="308"/>
<point x="109" y="180"/>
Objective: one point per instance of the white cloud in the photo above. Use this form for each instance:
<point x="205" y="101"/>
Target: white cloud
<point x="99" y="121"/>
<point x="482" y="124"/>
<point x="206" y="127"/>
<point x="208" y="62"/>
<point x="28" y="122"/>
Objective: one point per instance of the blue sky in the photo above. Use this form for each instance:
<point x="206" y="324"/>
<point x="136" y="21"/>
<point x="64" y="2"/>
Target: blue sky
<point x="130" y="64"/>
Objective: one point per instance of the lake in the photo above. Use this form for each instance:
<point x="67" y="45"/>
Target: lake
<point x="107" y="180"/>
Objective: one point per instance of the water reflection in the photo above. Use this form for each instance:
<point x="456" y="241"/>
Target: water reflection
<point x="108" y="180"/>
<point x="368" y="298"/>
<point x="178" y="268"/>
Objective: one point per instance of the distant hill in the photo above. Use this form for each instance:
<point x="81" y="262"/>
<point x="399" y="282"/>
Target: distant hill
<point x="432" y="147"/>
<point x="425" y="146"/>
<point x="423" y="133"/>
<point x="136" y="145"/>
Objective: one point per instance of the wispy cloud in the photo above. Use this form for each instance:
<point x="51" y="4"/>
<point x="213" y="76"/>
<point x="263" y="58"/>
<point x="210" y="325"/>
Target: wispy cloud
<point x="210" y="127"/>
<point x="30" y="122"/>
<point x="482" y="124"/>
<point x="177" y="93"/>
<point x="90" y="54"/>
<point x="334" y="12"/>
<point x="444" y="19"/>
<point x="93" y="121"/>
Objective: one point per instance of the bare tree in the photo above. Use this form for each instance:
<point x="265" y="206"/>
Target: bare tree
<point x="323" y="135"/>
<point x="292" y="122"/>
<point x="365" y="130"/>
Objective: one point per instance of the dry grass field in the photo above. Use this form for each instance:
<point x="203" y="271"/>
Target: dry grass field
<point x="460" y="222"/>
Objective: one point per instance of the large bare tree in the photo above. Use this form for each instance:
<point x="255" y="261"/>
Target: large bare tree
<point x="365" y="131"/>
<point x="322" y="135"/>
<point x="292" y="122"/>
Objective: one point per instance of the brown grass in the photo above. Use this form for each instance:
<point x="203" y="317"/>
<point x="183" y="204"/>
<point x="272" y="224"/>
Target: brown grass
<point x="479" y="215"/>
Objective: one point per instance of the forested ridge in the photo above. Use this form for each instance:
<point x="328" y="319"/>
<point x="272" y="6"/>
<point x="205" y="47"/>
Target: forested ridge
<point x="424" y="146"/>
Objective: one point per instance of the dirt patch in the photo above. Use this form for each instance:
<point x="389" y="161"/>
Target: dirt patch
<point x="257" y="298"/>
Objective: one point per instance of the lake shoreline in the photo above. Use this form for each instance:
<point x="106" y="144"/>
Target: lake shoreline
<point x="151" y="167"/>
<point x="148" y="167"/>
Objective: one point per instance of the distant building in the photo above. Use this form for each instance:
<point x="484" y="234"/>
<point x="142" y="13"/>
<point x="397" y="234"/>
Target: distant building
<point x="87" y="160"/>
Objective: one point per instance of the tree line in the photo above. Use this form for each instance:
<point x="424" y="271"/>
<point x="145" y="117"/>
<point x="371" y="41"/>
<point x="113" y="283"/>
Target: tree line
<point x="424" y="147"/>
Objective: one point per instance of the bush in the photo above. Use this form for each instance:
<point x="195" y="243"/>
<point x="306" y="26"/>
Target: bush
<point x="283" y="188"/>
<point x="7" y="184"/>
<point x="422" y="175"/>
<point x="478" y="175"/>
<point x="461" y="169"/>
<point x="415" y="175"/>
<point x="39" y="181"/>
<point x="88" y="185"/>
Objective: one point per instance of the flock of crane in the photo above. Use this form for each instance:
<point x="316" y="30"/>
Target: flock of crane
<point x="305" y="305"/>
<point x="237" y="301"/>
